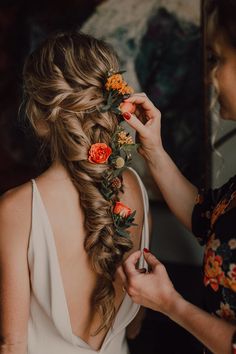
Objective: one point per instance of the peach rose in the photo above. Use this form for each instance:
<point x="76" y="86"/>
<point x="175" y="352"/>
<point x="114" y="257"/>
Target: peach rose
<point x="122" y="210"/>
<point x="127" y="107"/>
<point x="99" y="153"/>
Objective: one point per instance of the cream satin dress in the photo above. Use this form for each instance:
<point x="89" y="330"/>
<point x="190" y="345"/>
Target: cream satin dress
<point x="49" y="327"/>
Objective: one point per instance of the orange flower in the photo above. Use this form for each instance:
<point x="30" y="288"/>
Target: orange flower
<point x="127" y="107"/>
<point x="122" y="210"/>
<point x="116" y="82"/>
<point x="99" y="153"/>
<point x="213" y="274"/>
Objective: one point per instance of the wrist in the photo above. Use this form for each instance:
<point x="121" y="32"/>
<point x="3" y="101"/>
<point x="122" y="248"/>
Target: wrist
<point x="174" y="305"/>
<point x="178" y="308"/>
<point x="155" y="157"/>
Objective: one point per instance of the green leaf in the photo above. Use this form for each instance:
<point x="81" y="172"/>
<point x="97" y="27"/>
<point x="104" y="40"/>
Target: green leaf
<point x="123" y="233"/>
<point x="116" y="110"/>
<point x="105" y="108"/>
<point x="109" y="99"/>
<point x="132" y="215"/>
<point x="121" y="72"/>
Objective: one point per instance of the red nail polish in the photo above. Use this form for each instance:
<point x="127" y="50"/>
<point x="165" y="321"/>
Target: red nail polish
<point x="126" y="115"/>
<point x="146" y="250"/>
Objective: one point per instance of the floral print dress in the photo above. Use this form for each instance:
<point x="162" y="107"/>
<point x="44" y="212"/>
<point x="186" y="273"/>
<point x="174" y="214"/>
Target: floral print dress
<point x="214" y="224"/>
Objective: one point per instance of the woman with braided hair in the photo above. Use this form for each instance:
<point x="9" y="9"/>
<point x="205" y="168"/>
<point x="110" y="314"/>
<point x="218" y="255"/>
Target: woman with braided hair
<point x="63" y="234"/>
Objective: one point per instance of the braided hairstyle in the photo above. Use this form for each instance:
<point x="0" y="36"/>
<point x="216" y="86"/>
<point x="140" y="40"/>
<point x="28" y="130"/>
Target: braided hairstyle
<point x="63" y="84"/>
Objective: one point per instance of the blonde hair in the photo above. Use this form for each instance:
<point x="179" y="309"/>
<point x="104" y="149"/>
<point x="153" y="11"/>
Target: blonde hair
<point x="63" y="82"/>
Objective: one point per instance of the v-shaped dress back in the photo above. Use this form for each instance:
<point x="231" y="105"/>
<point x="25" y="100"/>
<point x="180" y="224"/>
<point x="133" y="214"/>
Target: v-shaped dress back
<point x="49" y="327"/>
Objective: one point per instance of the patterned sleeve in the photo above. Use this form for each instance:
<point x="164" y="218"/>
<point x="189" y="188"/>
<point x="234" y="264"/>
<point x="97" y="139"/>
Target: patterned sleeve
<point x="206" y="202"/>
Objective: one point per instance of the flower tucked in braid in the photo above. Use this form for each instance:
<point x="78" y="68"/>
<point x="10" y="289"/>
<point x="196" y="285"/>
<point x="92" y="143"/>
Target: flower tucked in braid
<point x="64" y="88"/>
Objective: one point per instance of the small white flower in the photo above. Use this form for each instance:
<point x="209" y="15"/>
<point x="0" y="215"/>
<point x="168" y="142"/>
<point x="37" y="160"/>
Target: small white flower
<point x="215" y="244"/>
<point x="225" y="311"/>
<point x="232" y="243"/>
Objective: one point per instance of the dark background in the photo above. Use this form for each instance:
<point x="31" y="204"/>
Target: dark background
<point x="23" y="24"/>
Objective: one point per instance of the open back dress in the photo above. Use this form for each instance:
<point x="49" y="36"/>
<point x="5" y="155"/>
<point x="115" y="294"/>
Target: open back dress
<point x="49" y="327"/>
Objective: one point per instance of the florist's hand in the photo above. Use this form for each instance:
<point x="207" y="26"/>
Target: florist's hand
<point x="153" y="289"/>
<point x="146" y="120"/>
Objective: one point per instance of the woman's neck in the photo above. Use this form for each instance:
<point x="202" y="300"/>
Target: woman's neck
<point x="57" y="171"/>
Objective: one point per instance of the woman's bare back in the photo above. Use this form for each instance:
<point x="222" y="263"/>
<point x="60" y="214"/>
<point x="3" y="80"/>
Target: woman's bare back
<point x="61" y="202"/>
<point x="66" y="218"/>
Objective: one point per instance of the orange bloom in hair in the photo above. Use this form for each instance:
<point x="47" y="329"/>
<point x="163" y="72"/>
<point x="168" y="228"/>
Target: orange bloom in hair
<point x="116" y="82"/>
<point x="122" y="210"/>
<point x="99" y="153"/>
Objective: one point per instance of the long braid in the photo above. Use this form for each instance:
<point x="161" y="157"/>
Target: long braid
<point x="66" y="99"/>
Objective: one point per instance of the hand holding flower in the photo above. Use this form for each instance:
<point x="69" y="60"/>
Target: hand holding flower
<point x="127" y="107"/>
<point x="146" y="120"/>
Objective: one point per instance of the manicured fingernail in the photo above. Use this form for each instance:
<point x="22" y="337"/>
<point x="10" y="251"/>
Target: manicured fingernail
<point x="142" y="270"/>
<point x="126" y="115"/>
<point x="146" y="250"/>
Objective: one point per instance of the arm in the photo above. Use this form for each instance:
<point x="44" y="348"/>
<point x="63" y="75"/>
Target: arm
<point x="178" y="192"/>
<point x="156" y="291"/>
<point x="196" y="321"/>
<point x="14" y="277"/>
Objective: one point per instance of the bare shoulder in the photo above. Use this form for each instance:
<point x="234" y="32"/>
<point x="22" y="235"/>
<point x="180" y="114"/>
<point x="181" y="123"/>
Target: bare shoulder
<point x="132" y="189"/>
<point x="15" y="223"/>
<point x="15" y="212"/>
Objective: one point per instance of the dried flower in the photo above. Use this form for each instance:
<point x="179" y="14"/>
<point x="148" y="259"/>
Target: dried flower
<point x="124" y="138"/>
<point x="116" y="183"/>
<point x="120" y="162"/>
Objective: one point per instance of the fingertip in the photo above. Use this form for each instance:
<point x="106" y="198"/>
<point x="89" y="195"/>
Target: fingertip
<point x="151" y="259"/>
<point x="134" y="257"/>
<point x="126" y="115"/>
<point x="136" y="254"/>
